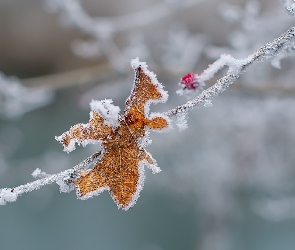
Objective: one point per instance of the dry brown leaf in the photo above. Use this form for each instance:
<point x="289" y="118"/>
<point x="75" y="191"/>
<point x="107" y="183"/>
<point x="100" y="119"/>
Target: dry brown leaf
<point x="123" y="137"/>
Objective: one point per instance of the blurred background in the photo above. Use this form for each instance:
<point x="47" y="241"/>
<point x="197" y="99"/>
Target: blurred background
<point x="227" y="182"/>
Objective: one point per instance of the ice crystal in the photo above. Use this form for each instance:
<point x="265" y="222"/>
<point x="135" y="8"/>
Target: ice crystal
<point x="7" y="195"/>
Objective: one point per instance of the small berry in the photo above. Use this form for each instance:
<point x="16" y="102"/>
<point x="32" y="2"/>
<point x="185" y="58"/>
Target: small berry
<point x="189" y="81"/>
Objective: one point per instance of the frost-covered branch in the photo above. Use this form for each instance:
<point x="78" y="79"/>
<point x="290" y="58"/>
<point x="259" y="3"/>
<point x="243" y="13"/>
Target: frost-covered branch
<point x="64" y="179"/>
<point x="290" y="6"/>
<point x="235" y="68"/>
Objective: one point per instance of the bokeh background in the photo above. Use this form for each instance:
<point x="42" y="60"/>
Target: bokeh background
<point x="227" y="182"/>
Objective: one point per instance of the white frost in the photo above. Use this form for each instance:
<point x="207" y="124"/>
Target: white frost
<point x="181" y="121"/>
<point x="36" y="173"/>
<point x="7" y="195"/>
<point x="107" y="110"/>
<point x="71" y="146"/>
<point x="64" y="187"/>
<point x="224" y="60"/>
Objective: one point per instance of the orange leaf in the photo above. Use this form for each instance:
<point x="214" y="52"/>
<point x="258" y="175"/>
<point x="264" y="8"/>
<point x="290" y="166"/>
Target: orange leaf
<point x="124" y="137"/>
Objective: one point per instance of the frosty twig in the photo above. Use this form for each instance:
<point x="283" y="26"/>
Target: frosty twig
<point x="64" y="179"/>
<point x="236" y="67"/>
<point x="290" y="6"/>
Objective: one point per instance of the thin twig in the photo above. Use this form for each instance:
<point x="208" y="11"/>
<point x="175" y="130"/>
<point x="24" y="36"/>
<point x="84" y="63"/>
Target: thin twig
<point x="67" y="177"/>
<point x="290" y="6"/>
<point x="268" y="51"/>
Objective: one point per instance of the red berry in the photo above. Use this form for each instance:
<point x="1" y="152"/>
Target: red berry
<point x="189" y="81"/>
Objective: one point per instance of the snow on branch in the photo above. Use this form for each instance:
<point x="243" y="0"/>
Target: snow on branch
<point x="236" y="67"/>
<point x="290" y="6"/>
<point x="124" y="139"/>
<point x="64" y="179"/>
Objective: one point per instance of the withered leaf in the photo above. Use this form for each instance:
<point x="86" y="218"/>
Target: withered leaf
<point x="123" y="138"/>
